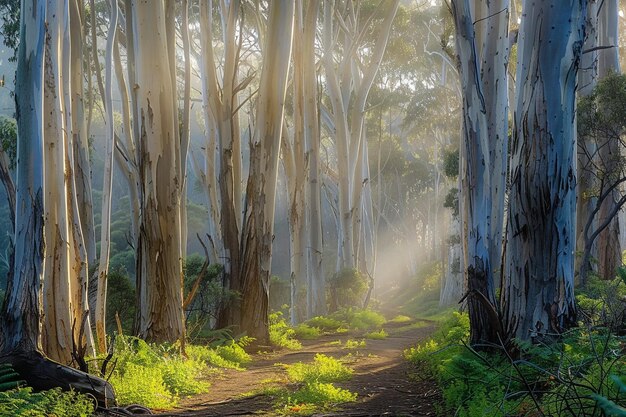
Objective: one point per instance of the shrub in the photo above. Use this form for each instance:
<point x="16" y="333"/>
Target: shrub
<point x="281" y="334"/>
<point x="323" y="369"/>
<point x="306" y="332"/>
<point x="155" y="376"/>
<point x="348" y="287"/>
<point x="23" y="402"/>
<point x="354" y="344"/>
<point x="378" y="335"/>
<point x="325" y="323"/>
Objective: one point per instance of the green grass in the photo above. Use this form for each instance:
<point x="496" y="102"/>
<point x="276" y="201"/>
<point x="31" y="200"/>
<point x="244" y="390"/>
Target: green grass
<point x="400" y="319"/>
<point x="316" y="389"/>
<point x="157" y="376"/>
<point x="323" y="369"/>
<point x="376" y="335"/>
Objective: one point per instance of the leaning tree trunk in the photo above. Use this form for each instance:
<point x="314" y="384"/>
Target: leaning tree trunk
<point x="161" y="311"/>
<point x="538" y="296"/>
<point x="261" y="188"/>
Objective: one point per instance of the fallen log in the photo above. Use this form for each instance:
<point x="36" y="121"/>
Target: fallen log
<point x="44" y="374"/>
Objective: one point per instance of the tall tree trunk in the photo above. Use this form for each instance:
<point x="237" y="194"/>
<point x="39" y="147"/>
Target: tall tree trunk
<point x="538" y="297"/>
<point x="107" y="186"/>
<point x="161" y="313"/>
<point x="587" y="147"/>
<point x="610" y="158"/>
<point x="58" y="293"/>
<point x="476" y="179"/>
<point x="258" y="231"/>
<point x="21" y="312"/>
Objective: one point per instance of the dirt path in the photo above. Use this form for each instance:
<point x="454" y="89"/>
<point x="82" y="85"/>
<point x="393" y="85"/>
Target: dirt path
<point x="381" y="379"/>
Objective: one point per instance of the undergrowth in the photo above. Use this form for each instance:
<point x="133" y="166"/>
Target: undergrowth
<point x="281" y="334"/>
<point x="570" y="377"/>
<point x="316" y="389"/>
<point x="22" y="402"/>
<point x="157" y="376"/>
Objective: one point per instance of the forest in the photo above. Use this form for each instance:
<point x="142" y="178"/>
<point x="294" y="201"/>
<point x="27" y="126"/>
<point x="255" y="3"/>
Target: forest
<point x="312" y="207"/>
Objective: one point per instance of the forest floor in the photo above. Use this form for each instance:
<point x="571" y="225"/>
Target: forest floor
<point x="385" y="382"/>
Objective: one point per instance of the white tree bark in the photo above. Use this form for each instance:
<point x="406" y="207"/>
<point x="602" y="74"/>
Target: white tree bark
<point x="107" y="186"/>
<point x="539" y="295"/>
<point x="21" y="324"/>
<point x="159" y="252"/>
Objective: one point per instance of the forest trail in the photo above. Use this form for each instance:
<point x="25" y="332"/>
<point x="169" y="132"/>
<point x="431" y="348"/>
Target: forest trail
<point x="381" y="379"/>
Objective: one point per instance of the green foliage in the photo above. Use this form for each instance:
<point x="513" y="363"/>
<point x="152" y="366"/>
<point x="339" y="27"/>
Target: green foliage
<point x="155" y="376"/>
<point x="321" y="393"/>
<point x="354" y="344"/>
<point x="23" y="402"/>
<point x="228" y="354"/>
<point x="324" y="323"/>
<point x="359" y="319"/>
<point x="120" y="299"/>
<point x="9" y="379"/>
<point x="376" y="335"/>
<point x="349" y="287"/>
<point x="323" y="369"/>
<point x="451" y="163"/>
<point x="281" y="334"/>
<point x="564" y="378"/>
<point x="609" y="407"/>
<point x="8" y="137"/>
<point x="316" y="389"/>
<point x="306" y="332"/>
<point x="399" y="319"/>
<point x="451" y="201"/>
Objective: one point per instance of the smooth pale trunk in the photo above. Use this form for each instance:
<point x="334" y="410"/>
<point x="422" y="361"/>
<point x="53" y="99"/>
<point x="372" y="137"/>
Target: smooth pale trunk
<point x="538" y="297"/>
<point x="58" y="298"/>
<point x="107" y="187"/>
<point x="316" y="292"/>
<point x="494" y="74"/>
<point x="77" y="200"/>
<point x="161" y="313"/>
<point x="222" y="108"/>
<point x="21" y="315"/>
<point x="264" y="158"/>
<point x="82" y="165"/>
<point x="296" y="170"/>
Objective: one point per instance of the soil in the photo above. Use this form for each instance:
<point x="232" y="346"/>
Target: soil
<point x="385" y="383"/>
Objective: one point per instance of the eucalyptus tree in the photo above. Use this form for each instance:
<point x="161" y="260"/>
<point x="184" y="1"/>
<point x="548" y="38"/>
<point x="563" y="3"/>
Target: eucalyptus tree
<point x="300" y="152"/>
<point x="221" y="172"/>
<point x="538" y="296"/>
<point x="160" y="172"/>
<point x="609" y="154"/>
<point x="258" y="226"/>
<point x="482" y="46"/>
<point x="348" y="76"/>
<point x="21" y="313"/>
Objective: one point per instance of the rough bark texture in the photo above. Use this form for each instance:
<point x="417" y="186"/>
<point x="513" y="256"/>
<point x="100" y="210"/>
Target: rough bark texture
<point x="539" y="295"/>
<point x="21" y="313"/>
<point x="484" y="92"/>
<point x="161" y="314"/>
<point x="258" y="232"/>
